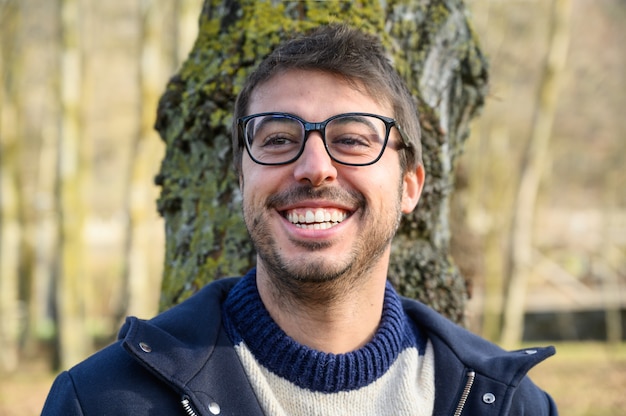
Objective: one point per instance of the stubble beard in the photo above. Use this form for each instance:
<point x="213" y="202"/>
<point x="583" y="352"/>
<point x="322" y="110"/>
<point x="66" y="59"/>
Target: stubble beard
<point x="319" y="279"/>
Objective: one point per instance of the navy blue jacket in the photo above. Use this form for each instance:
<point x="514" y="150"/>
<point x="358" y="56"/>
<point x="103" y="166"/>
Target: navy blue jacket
<point x="182" y="363"/>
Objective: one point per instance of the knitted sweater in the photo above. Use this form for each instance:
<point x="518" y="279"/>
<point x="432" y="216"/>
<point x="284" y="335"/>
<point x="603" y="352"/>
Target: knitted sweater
<point x="391" y="375"/>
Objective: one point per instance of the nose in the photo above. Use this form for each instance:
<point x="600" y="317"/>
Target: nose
<point x="314" y="164"/>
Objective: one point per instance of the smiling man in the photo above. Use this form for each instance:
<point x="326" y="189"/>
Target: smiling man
<point x="332" y="273"/>
<point x="327" y="148"/>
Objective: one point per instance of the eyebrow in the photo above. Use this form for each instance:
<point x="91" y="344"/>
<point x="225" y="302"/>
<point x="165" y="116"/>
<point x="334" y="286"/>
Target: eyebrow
<point x="355" y="117"/>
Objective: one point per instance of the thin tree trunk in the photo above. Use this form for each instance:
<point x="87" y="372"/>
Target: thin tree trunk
<point x="9" y="172"/>
<point x="520" y="248"/>
<point x="187" y="14"/>
<point x="611" y="286"/>
<point x="9" y="255"/>
<point x="498" y="202"/>
<point x="70" y="290"/>
<point x="141" y="296"/>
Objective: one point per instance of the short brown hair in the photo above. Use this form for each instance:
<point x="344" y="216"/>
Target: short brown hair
<point x="359" y="58"/>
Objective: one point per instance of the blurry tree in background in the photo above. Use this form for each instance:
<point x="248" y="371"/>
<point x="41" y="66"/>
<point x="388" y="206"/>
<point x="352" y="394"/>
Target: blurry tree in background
<point x="81" y="240"/>
<point x="9" y="176"/>
<point x="70" y="175"/>
<point x="577" y="248"/>
<point x="534" y="161"/>
<point x="434" y="50"/>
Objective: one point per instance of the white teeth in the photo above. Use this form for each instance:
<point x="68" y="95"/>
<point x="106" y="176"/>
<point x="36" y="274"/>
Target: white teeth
<point x="320" y="219"/>
<point x="316" y="226"/>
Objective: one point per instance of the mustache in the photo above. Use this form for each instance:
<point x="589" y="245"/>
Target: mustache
<point x="333" y="194"/>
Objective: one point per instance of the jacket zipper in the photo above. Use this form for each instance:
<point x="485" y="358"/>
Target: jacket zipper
<point x="471" y="375"/>
<point x="187" y="406"/>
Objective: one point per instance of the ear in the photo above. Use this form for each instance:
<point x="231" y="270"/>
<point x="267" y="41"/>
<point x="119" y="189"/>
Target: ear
<point x="413" y="183"/>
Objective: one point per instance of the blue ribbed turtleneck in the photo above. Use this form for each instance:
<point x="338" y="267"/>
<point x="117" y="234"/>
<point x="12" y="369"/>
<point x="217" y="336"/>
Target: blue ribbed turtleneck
<point x="247" y="320"/>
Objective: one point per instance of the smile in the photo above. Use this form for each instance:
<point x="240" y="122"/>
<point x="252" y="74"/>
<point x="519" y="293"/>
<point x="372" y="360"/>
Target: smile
<point x="317" y="219"/>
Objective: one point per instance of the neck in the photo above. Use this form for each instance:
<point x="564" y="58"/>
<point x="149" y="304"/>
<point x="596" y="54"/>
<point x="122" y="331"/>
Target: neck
<point x="344" y="319"/>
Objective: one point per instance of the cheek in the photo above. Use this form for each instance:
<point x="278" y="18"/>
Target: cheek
<point x="385" y="185"/>
<point x="381" y="196"/>
<point x="258" y="182"/>
<point x="249" y="192"/>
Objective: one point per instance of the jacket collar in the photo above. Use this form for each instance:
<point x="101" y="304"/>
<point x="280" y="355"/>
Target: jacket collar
<point x="186" y="350"/>
<point x="474" y="351"/>
<point x="457" y="351"/>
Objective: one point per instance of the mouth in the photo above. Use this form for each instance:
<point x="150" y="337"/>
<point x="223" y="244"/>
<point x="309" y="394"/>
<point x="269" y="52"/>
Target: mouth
<point x="315" y="218"/>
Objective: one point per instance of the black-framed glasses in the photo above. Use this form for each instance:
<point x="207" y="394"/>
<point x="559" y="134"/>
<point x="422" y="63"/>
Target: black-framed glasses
<point x="355" y="139"/>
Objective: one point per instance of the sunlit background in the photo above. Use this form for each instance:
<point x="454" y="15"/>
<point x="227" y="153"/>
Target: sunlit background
<point x="83" y="78"/>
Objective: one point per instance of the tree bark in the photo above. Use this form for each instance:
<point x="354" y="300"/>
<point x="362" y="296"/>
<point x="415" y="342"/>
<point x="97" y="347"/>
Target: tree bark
<point x="433" y="48"/>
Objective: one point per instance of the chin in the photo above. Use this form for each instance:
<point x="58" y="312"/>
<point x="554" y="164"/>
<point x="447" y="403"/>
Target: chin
<point x="314" y="271"/>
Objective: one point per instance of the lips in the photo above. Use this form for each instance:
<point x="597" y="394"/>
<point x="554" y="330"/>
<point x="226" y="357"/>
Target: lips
<point x="315" y="218"/>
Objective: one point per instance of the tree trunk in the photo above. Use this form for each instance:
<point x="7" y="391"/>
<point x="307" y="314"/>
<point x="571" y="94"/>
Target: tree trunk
<point x="186" y="26"/>
<point x="520" y="248"/>
<point x="138" y="293"/>
<point x="433" y="49"/>
<point x="70" y="290"/>
<point x="9" y="172"/>
<point x="496" y="198"/>
<point x="612" y="258"/>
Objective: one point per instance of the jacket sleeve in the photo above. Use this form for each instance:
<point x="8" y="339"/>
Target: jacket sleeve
<point x="62" y="399"/>
<point x="530" y="400"/>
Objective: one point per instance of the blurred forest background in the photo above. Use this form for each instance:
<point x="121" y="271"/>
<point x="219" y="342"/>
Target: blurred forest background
<point x="539" y="210"/>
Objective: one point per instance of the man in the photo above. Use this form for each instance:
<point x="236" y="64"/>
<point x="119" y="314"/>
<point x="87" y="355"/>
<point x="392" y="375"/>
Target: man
<point x="326" y="143"/>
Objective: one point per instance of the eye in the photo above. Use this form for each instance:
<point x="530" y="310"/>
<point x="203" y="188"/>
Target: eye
<point x="276" y="140"/>
<point x="351" y="141"/>
<point x="273" y="132"/>
<point x="355" y="132"/>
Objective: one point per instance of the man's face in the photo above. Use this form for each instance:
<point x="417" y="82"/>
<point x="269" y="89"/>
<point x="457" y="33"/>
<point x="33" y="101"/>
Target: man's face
<point x="315" y="220"/>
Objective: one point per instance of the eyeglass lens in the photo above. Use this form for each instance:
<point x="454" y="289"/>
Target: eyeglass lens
<point x="351" y="138"/>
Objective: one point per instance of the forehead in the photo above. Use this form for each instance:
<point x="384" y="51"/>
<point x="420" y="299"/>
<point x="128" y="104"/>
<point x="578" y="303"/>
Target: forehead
<point x="314" y="95"/>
